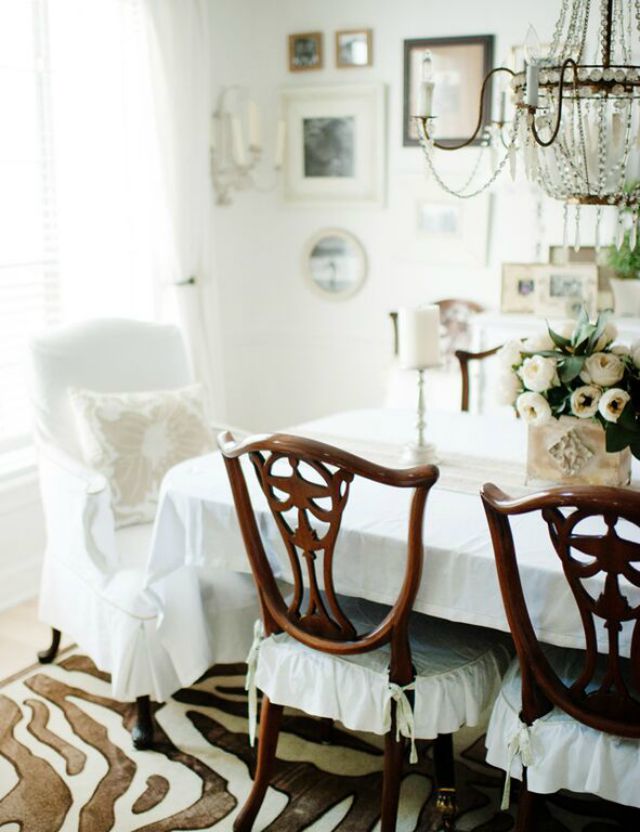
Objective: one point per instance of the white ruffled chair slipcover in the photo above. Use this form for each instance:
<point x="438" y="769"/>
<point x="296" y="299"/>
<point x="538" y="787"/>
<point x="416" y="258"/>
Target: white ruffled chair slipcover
<point x="558" y="751"/>
<point x="92" y="577"/>
<point x="459" y="669"/>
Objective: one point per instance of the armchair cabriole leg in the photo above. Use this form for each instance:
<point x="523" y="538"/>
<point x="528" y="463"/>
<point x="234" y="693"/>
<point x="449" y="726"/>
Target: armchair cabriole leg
<point x="392" y="778"/>
<point x="270" y="719"/>
<point x="446" y="802"/>
<point x="142" y="731"/>
<point x="48" y="655"/>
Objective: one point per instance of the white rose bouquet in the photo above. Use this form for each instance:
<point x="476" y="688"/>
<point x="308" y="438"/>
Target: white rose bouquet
<point x="580" y="372"/>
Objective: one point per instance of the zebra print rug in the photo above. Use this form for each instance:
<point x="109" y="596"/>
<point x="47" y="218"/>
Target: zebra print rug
<point x="67" y="763"/>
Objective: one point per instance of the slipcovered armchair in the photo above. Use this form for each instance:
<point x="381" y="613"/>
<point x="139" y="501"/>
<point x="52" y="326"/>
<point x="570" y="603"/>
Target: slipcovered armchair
<point x="93" y="572"/>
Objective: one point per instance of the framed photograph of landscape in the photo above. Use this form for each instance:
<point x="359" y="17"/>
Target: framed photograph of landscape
<point x="335" y="144"/>
<point x="305" y="52"/>
<point x="459" y="65"/>
<point x="561" y="291"/>
<point x="354" y="48"/>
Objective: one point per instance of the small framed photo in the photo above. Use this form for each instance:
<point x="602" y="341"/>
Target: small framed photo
<point x="305" y="52"/>
<point x="354" y="47"/>
<point x="460" y="65"/>
<point x="335" y="140"/>
<point x="561" y="291"/>
<point x="519" y="284"/>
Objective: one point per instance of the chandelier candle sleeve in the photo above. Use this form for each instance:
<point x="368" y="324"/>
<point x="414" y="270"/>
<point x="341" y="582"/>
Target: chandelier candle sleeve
<point x="238" y="141"/>
<point x="419" y="337"/>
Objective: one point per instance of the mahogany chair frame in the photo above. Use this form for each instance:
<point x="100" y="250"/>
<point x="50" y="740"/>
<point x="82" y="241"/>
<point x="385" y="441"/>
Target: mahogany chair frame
<point x="323" y="625"/>
<point x="611" y="707"/>
<point x="464" y="357"/>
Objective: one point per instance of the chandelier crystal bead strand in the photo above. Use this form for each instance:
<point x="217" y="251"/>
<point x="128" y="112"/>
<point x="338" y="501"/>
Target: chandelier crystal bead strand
<point x="575" y="128"/>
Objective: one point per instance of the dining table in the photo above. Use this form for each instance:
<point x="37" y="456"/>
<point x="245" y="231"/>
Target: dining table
<point x="196" y="531"/>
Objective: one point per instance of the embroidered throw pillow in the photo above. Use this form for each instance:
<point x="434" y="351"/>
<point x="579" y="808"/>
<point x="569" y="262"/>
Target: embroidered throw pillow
<point x="134" y="438"/>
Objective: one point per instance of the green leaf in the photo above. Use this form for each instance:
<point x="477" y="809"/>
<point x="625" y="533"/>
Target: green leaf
<point x="570" y="367"/>
<point x="627" y="419"/>
<point x="559" y="340"/>
<point x="617" y="438"/>
<point x="603" y="320"/>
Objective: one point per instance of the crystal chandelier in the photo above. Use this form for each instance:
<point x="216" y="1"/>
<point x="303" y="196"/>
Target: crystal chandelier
<point x="576" y="122"/>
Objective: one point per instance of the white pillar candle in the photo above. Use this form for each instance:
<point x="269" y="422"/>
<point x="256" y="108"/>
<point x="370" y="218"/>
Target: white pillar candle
<point x="419" y="337"/>
<point x="281" y="135"/>
<point x="254" y="126"/>
<point x="533" y="80"/>
<point x="238" y="142"/>
<point x="424" y="100"/>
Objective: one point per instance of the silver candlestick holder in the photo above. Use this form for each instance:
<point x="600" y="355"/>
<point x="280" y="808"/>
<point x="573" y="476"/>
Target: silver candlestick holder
<point x="420" y="452"/>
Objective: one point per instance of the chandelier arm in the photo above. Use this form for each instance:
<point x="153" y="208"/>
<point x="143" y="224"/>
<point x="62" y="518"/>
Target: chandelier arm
<point x="548" y="142"/>
<point x="479" y="125"/>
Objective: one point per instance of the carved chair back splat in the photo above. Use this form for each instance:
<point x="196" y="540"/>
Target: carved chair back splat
<point x="609" y="701"/>
<point x="307" y="485"/>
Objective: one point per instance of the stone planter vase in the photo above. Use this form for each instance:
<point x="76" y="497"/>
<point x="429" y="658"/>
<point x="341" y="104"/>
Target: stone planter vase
<point x="626" y="296"/>
<point x="570" y="451"/>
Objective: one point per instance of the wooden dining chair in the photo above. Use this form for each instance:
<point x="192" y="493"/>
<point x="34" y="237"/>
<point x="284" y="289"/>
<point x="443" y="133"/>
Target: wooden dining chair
<point x="342" y="659"/>
<point x="464" y="357"/>
<point x="570" y="718"/>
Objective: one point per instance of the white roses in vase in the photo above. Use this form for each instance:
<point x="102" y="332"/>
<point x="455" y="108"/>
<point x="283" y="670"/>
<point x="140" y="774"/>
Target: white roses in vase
<point x="578" y="372"/>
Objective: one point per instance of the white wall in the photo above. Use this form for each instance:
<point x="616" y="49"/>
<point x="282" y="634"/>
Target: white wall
<point x="21" y="539"/>
<point x="277" y="333"/>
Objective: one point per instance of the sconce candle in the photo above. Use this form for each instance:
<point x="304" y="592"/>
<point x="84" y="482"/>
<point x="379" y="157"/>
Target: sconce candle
<point x="238" y="141"/>
<point x="419" y="337"/>
<point x="280" y="142"/>
<point x="254" y="126"/>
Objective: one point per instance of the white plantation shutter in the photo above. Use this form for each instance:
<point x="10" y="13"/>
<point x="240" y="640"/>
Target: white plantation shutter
<point x="29" y="271"/>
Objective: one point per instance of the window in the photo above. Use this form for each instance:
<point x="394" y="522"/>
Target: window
<point x="79" y="204"/>
<point x="29" y="267"/>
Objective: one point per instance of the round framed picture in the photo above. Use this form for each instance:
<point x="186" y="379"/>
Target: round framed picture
<point x="335" y="264"/>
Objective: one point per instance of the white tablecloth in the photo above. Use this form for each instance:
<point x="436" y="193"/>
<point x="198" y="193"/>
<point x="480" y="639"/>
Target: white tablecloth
<point x="196" y="529"/>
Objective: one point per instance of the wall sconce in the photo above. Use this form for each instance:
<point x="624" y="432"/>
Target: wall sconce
<point x="233" y="160"/>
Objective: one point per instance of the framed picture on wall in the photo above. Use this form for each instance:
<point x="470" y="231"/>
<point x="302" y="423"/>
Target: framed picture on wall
<point x="459" y="66"/>
<point x="305" y="51"/>
<point x="439" y="228"/>
<point x="354" y="47"/>
<point x="563" y="290"/>
<point x="518" y="287"/>
<point x="335" y="144"/>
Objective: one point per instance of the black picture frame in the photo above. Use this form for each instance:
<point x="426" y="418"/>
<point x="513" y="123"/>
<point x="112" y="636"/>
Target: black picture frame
<point x="487" y="42"/>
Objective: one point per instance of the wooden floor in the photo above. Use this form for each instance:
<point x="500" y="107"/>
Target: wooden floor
<point x="21" y="636"/>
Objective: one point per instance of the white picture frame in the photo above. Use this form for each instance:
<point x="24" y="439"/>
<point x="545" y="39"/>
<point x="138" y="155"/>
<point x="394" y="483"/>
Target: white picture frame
<point x="335" y="264"/>
<point x="441" y="229"/>
<point x="335" y="145"/>
<point x="562" y="290"/>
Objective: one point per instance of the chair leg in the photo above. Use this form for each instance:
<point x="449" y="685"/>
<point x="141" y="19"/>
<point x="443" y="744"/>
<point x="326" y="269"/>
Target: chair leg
<point x="446" y="802"/>
<point x="392" y="779"/>
<point x="48" y="655"/>
<point x="528" y="807"/>
<point x="142" y="731"/>
<point x="270" y="719"/>
<point x="326" y="730"/>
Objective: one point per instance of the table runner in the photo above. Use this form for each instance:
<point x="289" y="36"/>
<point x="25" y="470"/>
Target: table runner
<point x="458" y="472"/>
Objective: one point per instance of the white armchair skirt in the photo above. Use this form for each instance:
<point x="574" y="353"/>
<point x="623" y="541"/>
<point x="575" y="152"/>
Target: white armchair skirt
<point x="122" y="629"/>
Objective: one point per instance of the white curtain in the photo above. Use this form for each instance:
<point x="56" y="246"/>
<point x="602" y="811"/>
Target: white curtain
<point x="179" y="51"/>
